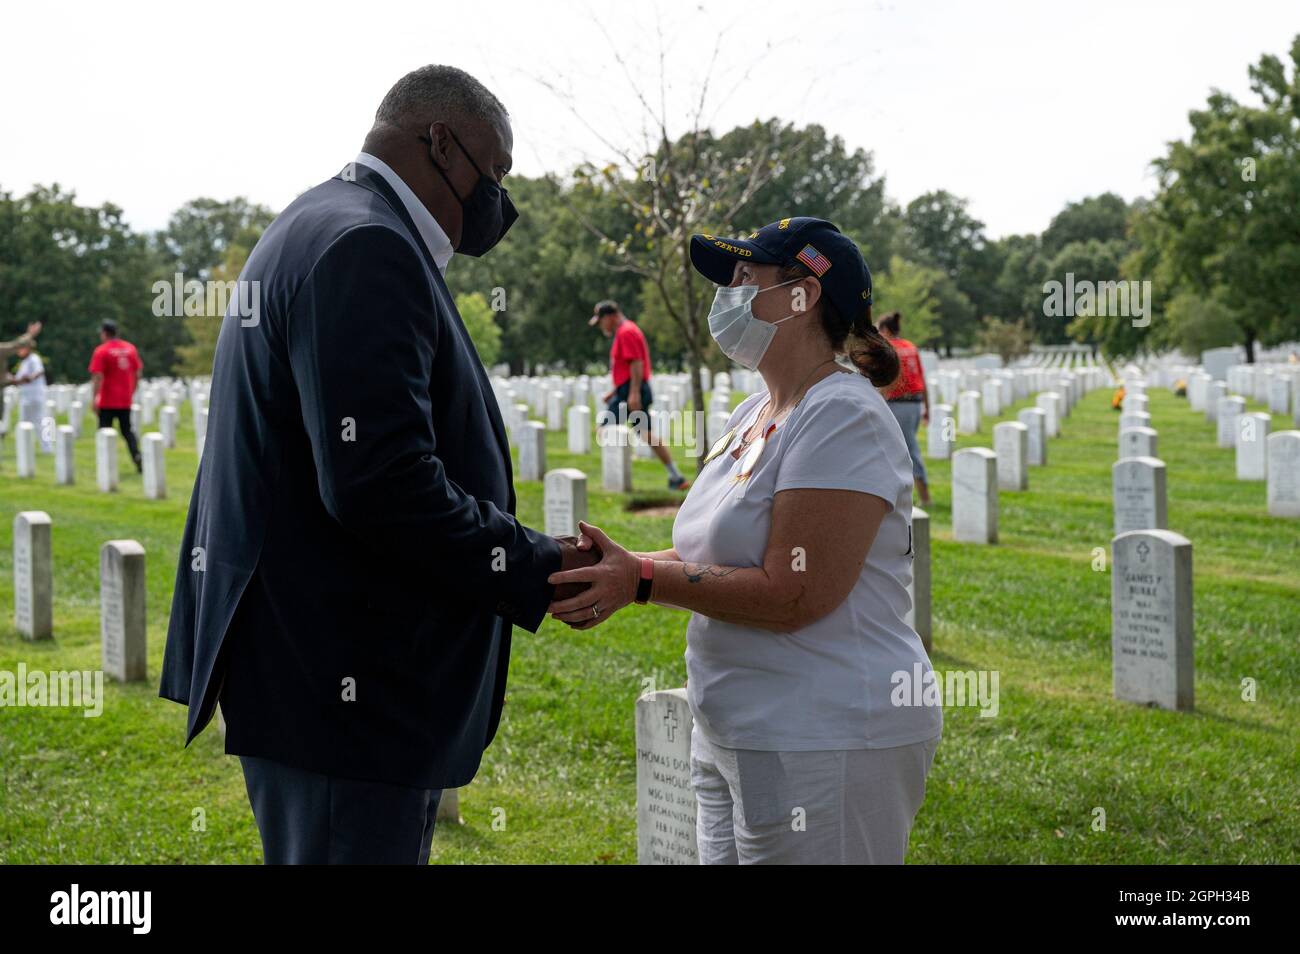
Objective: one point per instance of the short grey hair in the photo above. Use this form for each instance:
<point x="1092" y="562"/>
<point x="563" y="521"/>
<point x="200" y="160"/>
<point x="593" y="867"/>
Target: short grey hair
<point x="438" y="93"/>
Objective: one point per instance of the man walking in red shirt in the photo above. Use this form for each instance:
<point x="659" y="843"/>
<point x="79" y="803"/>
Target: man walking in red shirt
<point x="629" y="365"/>
<point x="114" y="367"/>
<point x="907" y="397"/>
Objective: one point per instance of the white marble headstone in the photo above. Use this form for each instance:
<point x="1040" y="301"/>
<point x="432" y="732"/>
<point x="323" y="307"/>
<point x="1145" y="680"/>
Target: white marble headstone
<point x="1138" y="442"/>
<point x="579" y="423"/>
<point x="167" y="421"/>
<point x="106" y="459"/>
<point x="564" y="501"/>
<point x="1230" y="408"/>
<point x="941" y="432"/>
<point x="33" y="575"/>
<point x="918" y="615"/>
<point x="1050" y="402"/>
<point x="968" y="412"/>
<point x="1252" y="446"/>
<point x="1284" y="474"/>
<point x="1151" y="619"/>
<point x="665" y="801"/>
<point x="975" y="495"/>
<point x="25" y="437"/>
<point x="532" y="451"/>
<point x="153" y="457"/>
<point x="122" y="610"/>
<point x="1035" y="421"/>
<point x="616" y="458"/>
<point x="1138" y="494"/>
<point x="1011" y="444"/>
<point x="65" y="447"/>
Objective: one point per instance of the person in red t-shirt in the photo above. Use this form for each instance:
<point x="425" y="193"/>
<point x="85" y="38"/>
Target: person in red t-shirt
<point x="114" y="367"/>
<point x="907" y="397"/>
<point x="629" y="365"/>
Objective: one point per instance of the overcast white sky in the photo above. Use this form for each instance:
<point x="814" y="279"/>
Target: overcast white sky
<point x="1018" y="106"/>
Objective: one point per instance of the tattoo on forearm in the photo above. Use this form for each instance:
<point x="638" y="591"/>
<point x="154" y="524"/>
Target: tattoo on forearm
<point x="697" y="571"/>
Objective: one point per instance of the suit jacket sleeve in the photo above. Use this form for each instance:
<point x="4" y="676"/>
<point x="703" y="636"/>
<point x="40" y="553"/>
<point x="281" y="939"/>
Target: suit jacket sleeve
<point x="361" y="336"/>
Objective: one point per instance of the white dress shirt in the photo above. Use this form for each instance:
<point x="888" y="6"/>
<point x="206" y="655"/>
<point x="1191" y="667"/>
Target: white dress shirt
<point x="33" y="392"/>
<point x="430" y="231"/>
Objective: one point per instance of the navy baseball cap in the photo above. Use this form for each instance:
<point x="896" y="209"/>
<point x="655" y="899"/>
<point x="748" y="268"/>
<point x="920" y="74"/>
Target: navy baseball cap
<point x="816" y="244"/>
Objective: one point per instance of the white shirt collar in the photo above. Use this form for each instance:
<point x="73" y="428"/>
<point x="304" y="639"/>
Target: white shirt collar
<point x="430" y="231"/>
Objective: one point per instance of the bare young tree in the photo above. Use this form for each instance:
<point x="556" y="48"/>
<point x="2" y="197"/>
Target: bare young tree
<point x="672" y="184"/>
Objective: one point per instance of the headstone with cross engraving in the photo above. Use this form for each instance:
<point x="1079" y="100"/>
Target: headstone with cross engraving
<point x="665" y="801"/>
<point x="1151" y="619"/>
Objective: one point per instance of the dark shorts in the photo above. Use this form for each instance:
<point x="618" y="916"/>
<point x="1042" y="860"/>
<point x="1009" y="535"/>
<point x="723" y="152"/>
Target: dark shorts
<point x="616" y="412"/>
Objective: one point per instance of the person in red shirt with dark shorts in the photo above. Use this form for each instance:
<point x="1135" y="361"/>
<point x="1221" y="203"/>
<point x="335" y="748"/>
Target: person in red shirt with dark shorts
<point x="114" y="367"/>
<point x="629" y="365"/>
<point x="907" y="397"/>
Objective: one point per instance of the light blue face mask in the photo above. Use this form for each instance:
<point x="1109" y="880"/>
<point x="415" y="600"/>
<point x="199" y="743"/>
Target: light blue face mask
<point x="742" y="337"/>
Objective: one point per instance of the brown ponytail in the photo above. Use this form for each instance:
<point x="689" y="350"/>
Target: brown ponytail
<point x="857" y="339"/>
<point x="871" y="353"/>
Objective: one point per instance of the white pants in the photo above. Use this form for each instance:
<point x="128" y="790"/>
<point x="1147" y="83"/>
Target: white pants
<point x="34" y="413"/>
<point x="843" y="806"/>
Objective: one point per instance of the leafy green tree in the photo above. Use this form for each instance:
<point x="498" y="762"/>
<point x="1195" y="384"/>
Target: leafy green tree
<point x="1089" y="261"/>
<point x="1223" y="224"/>
<point x="72" y="266"/>
<point x="1101" y="217"/>
<point x="196" y="355"/>
<point x="1019" y="285"/>
<point x="542" y="280"/>
<point x="945" y="235"/>
<point x="483" y="331"/>
<point x="910" y="289"/>
<point x="200" y="233"/>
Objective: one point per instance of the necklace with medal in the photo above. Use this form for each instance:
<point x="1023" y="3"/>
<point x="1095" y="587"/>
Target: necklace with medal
<point x="751" y="454"/>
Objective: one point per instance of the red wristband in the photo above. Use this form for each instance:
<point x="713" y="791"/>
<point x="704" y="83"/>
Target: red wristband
<point x="647" y="580"/>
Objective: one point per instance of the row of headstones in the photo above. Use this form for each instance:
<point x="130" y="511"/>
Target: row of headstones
<point x="980" y="473"/>
<point x="1151" y="586"/>
<point x="1260" y="455"/>
<point x="153" y="396"/>
<point x="152" y="452"/>
<point x="121" y="594"/>
<point x="618" y="442"/>
<point x="550" y="397"/>
<point x="997" y="390"/>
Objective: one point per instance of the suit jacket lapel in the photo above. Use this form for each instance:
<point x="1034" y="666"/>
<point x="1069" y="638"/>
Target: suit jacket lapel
<point x="370" y="179"/>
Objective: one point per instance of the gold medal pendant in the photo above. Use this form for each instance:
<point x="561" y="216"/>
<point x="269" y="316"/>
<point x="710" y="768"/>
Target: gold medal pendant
<point x="748" y="462"/>
<point x="720" y="445"/>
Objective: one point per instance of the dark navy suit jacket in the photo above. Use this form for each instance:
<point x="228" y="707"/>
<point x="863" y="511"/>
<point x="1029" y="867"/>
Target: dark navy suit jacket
<point x="351" y="565"/>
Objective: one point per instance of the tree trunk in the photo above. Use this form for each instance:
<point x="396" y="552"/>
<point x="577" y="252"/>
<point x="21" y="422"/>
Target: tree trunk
<point x="1250" y="346"/>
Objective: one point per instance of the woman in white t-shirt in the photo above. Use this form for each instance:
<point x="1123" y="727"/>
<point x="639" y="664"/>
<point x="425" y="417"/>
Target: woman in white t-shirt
<point x="793" y="553"/>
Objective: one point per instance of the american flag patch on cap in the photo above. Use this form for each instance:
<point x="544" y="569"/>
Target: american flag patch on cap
<point x="815" y="260"/>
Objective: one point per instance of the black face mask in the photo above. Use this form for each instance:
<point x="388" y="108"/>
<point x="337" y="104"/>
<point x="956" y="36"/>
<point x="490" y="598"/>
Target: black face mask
<point x="486" y="215"/>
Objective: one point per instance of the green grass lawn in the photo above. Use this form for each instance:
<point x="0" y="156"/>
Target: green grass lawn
<point x="558" y="784"/>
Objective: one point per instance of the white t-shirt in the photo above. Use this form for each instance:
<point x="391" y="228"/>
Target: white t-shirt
<point x="33" y="392"/>
<point x="828" y="685"/>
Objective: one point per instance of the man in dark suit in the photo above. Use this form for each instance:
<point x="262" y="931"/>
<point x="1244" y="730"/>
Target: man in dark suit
<point x="351" y="564"/>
